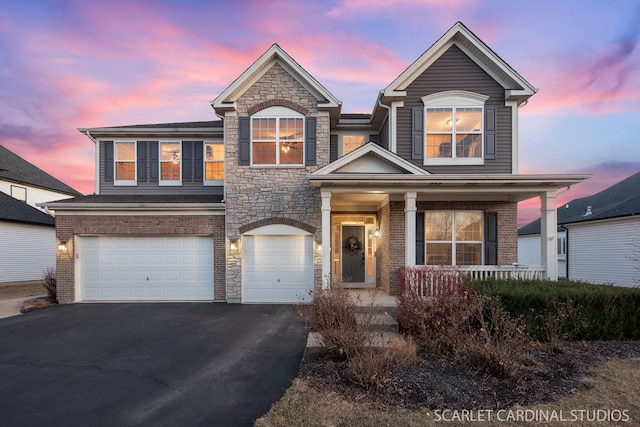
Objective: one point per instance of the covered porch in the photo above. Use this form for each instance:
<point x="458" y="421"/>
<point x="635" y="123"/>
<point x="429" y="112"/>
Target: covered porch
<point x="376" y="208"/>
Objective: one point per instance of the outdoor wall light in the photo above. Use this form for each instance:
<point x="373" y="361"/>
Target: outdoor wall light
<point x="62" y="246"/>
<point x="376" y="233"/>
<point x="319" y="247"/>
<point x="233" y="245"/>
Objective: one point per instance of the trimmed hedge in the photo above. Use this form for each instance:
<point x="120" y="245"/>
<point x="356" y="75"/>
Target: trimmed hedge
<point x="611" y="312"/>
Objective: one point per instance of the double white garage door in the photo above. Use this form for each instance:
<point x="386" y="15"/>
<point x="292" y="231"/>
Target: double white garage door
<point x="146" y="268"/>
<point x="276" y="268"/>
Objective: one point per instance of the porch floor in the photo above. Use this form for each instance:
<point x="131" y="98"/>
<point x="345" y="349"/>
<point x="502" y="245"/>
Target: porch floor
<point x="373" y="298"/>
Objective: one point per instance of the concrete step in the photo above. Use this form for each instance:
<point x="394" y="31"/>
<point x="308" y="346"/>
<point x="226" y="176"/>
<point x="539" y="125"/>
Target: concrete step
<point x="377" y="322"/>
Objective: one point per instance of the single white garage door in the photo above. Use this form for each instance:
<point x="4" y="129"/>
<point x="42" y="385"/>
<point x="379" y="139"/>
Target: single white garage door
<point x="146" y="268"/>
<point x="277" y="268"/>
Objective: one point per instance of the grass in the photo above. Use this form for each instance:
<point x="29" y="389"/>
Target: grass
<point x="614" y="386"/>
<point x="23" y="290"/>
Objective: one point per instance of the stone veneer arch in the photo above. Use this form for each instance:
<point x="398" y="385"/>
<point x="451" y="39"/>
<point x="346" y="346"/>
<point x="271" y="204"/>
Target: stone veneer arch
<point x="277" y="102"/>
<point x="277" y="220"/>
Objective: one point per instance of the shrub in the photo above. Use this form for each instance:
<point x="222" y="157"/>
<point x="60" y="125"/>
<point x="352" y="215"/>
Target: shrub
<point x="463" y="325"/>
<point x="50" y="283"/>
<point x="592" y="312"/>
<point x="370" y="368"/>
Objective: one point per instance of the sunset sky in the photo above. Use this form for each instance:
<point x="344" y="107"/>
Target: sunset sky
<point x="70" y="64"/>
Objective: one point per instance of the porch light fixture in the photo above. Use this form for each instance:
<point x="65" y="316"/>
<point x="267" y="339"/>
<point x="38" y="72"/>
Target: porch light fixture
<point x="376" y="233"/>
<point x="319" y="247"/>
<point x="62" y="246"/>
<point x="233" y="245"/>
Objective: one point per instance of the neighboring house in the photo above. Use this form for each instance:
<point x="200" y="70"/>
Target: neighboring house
<point x="285" y="193"/>
<point x="529" y="245"/>
<point x="27" y="233"/>
<point x="601" y="236"/>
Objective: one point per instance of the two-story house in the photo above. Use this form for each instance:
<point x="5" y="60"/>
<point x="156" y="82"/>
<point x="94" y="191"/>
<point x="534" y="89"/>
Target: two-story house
<point x="285" y="193"/>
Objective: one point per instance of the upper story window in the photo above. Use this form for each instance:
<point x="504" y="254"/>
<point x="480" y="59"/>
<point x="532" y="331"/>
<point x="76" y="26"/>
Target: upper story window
<point x="277" y="137"/>
<point x="19" y="193"/>
<point x="213" y="162"/>
<point x="453" y="237"/>
<point x="350" y="143"/>
<point x="125" y="162"/>
<point x="454" y="128"/>
<point x="170" y="164"/>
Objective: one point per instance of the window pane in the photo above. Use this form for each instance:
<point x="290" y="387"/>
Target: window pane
<point x="351" y="142"/>
<point x="291" y="153"/>
<point x="170" y="151"/>
<point x="264" y="153"/>
<point x="438" y="145"/>
<point x="214" y="171"/>
<point x="468" y="119"/>
<point x="125" y="150"/>
<point x="468" y="254"/>
<point x="439" y="253"/>
<point x="169" y="171"/>
<point x="469" y="226"/>
<point x="439" y="225"/>
<point x="214" y="152"/>
<point x="125" y="171"/>
<point x="468" y="145"/>
<point x="291" y="130"/>
<point x="264" y="129"/>
<point x="439" y="120"/>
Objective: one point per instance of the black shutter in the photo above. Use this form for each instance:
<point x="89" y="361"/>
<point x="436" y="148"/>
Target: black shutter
<point x="417" y="133"/>
<point x="187" y="157"/>
<point x="491" y="238"/>
<point x="490" y="125"/>
<point x="153" y="161"/>
<point x="198" y="160"/>
<point x="244" y="141"/>
<point x="108" y="161"/>
<point x="310" y="141"/>
<point x="420" y="238"/>
<point x="333" y="148"/>
<point x="142" y="161"/>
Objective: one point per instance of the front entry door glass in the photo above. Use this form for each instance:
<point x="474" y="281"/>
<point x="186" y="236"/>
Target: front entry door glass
<point x="353" y="253"/>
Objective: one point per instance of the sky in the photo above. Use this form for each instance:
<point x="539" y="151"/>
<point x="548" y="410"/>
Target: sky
<point x="68" y="64"/>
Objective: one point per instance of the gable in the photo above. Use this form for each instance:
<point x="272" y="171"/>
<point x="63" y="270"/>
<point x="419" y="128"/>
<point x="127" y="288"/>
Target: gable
<point x="370" y="159"/>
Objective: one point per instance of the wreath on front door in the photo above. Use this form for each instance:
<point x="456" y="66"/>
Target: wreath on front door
<point x="353" y="244"/>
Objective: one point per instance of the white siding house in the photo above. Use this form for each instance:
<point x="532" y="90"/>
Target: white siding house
<point x="601" y="243"/>
<point x="27" y="232"/>
<point x="603" y="251"/>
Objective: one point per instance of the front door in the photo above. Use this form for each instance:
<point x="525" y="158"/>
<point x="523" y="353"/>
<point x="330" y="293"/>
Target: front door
<point x="353" y="253"/>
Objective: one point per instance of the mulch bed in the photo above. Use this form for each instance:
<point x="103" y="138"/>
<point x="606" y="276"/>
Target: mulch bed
<point x="436" y="383"/>
<point x="37" y="304"/>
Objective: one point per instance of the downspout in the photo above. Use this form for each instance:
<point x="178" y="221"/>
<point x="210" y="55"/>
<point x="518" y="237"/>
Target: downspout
<point x="389" y="119"/>
<point x="566" y="250"/>
<point x="96" y="161"/>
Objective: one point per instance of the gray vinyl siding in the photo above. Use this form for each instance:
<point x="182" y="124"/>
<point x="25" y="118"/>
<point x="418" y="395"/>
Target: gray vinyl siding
<point x="150" y="188"/>
<point x="456" y="71"/>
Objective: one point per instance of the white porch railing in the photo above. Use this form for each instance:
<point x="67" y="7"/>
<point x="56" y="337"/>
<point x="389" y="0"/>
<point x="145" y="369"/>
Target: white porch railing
<point x="432" y="281"/>
<point x="479" y="272"/>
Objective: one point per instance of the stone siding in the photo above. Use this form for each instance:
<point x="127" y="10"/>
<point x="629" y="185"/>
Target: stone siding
<point x="260" y="193"/>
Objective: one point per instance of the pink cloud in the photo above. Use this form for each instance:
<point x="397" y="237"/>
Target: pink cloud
<point x="367" y="7"/>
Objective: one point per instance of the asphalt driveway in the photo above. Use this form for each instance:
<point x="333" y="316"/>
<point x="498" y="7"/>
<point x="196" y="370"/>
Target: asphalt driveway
<point x="160" y="364"/>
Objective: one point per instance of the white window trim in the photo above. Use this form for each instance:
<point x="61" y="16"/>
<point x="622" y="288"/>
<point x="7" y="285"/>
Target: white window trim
<point x="212" y="182"/>
<point x="279" y="113"/>
<point x="341" y="140"/>
<point x="454" y="99"/>
<point x="127" y="182"/>
<point x="453" y="240"/>
<point x="166" y="182"/>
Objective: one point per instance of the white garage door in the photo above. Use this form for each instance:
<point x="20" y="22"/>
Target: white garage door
<point x="277" y="268"/>
<point x="146" y="268"/>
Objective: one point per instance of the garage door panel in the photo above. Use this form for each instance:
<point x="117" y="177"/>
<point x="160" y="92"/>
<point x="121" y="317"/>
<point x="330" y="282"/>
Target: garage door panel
<point x="147" y="268"/>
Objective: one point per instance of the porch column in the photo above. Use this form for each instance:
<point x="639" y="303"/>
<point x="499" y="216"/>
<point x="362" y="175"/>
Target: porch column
<point x="549" y="234"/>
<point x="326" y="239"/>
<point x="410" y="228"/>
